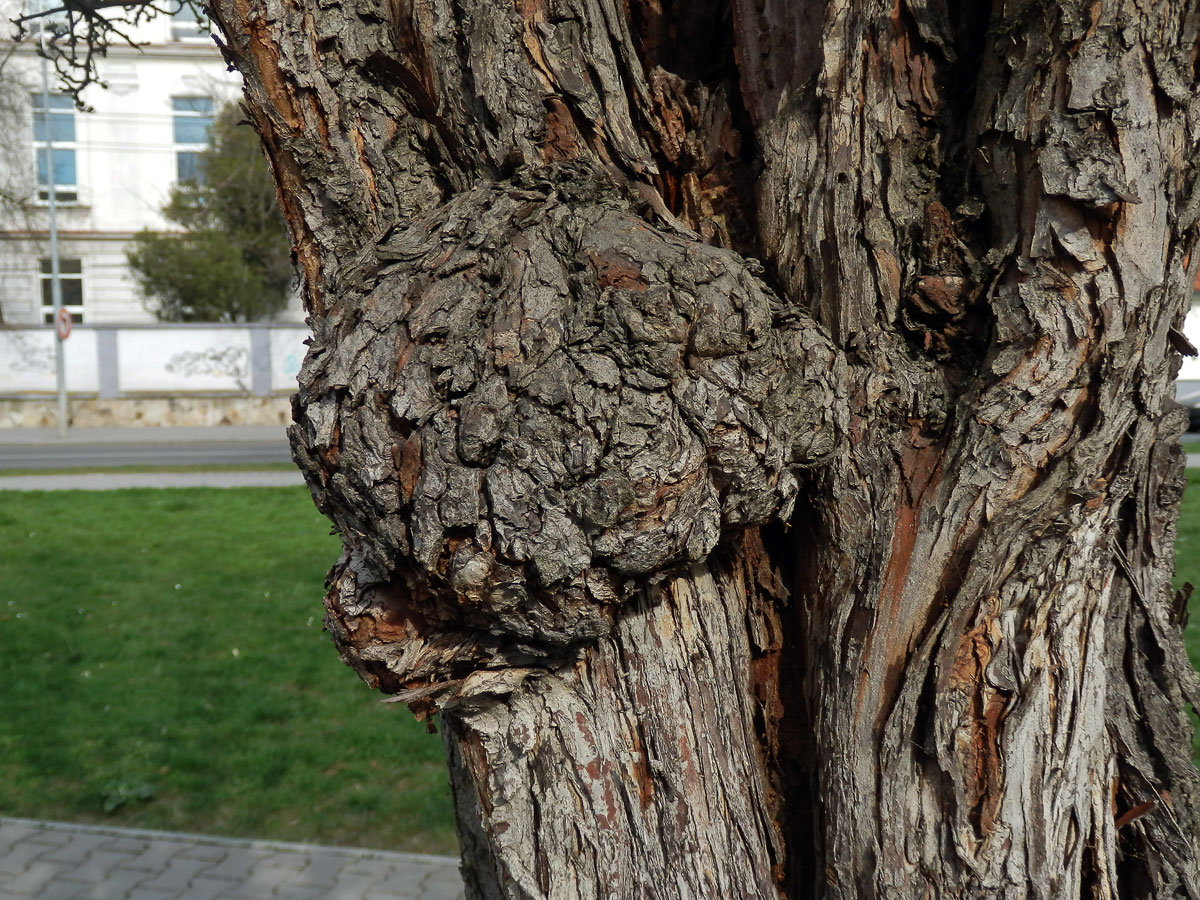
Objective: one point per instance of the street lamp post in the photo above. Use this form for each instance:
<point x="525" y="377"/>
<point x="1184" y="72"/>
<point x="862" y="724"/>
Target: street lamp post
<point x="60" y="368"/>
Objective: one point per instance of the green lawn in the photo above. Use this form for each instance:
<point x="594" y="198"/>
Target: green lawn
<point x="1187" y="568"/>
<point x="163" y="665"/>
<point x="1187" y="559"/>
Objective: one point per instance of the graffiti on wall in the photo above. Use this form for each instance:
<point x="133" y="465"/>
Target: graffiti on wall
<point x="160" y="361"/>
<point x="27" y="361"/>
<point x="232" y="362"/>
<point x="23" y="355"/>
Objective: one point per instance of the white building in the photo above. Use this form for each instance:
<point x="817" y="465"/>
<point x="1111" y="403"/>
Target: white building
<point x="113" y="168"/>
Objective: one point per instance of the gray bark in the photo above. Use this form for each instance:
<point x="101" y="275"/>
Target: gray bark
<point x="749" y="428"/>
<point x="634" y="772"/>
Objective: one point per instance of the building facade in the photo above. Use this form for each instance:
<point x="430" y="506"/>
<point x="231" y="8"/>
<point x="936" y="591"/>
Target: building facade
<point x="113" y="167"/>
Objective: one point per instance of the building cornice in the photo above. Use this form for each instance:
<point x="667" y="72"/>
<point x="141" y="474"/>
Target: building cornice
<point x="200" y="51"/>
<point x="64" y="235"/>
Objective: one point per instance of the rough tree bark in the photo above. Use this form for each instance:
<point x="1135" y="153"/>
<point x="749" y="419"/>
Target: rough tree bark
<point x="749" y="426"/>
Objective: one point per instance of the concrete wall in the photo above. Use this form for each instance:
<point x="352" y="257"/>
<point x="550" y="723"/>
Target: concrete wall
<point x="152" y="375"/>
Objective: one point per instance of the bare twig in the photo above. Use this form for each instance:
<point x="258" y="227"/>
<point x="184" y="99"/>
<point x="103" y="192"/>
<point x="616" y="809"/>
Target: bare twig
<point x="77" y="34"/>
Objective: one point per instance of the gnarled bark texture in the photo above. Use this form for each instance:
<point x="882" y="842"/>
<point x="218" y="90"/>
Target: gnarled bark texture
<point x="749" y="426"/>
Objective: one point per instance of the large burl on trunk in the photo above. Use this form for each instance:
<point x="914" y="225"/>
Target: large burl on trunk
<point x="749" y="426"/>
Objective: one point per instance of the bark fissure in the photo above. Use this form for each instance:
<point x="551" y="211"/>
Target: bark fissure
<point x="1042" y="322"/>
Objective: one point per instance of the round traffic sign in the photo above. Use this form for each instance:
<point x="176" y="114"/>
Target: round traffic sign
<point x="62" y="323"/>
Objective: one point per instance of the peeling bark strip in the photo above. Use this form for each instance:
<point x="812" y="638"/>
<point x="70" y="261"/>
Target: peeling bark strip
<point x="840" y="575"/>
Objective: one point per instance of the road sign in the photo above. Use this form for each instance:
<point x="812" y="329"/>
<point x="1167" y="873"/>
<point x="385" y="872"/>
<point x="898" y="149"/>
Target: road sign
<point x="62" y="323"/>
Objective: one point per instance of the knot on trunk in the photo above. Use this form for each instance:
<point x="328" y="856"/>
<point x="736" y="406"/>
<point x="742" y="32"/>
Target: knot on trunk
<point x="533" y="401"/>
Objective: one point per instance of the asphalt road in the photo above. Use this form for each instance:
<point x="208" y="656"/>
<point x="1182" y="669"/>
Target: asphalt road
<point x="41" y="448"/>
<point x="49" y="456"/>
<point x="102" y="448"/>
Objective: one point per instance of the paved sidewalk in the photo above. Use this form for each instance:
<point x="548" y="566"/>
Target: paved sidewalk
<point x="57" y="861"/>
<point x="112" y="481"/>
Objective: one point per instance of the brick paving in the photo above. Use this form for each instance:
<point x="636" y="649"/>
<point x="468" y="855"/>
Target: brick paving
<point x="58" y="861"/>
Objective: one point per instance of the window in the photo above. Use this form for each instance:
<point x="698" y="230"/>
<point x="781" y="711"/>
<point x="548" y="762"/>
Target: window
<point x="192" y="117"/>
<point x="61" y="121"/>
<point x="70" y="276"/>
<point x="188" y="24"/>
<point x="52" y="15"/>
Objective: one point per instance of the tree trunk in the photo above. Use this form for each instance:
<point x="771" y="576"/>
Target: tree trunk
<point x="750" y="428"/>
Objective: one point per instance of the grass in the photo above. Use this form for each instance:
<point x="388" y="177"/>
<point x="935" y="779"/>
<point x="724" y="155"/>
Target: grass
<point x="1187" y="557"/>
<point x="163" y="665"/>
<point x="1187" y="569"/>
<point x="142" y="469"/>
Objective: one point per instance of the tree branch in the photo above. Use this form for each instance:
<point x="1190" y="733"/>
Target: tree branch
<point x="75" y="44"/>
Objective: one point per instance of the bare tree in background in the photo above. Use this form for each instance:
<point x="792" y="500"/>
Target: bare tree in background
<point x="16" y="172"/>
<point x="17" y="181"/>
<point x="749" y="426"/>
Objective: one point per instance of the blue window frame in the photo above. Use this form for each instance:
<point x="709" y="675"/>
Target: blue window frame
<point x="59" y="122"/>
<point x="192" y="120"/>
